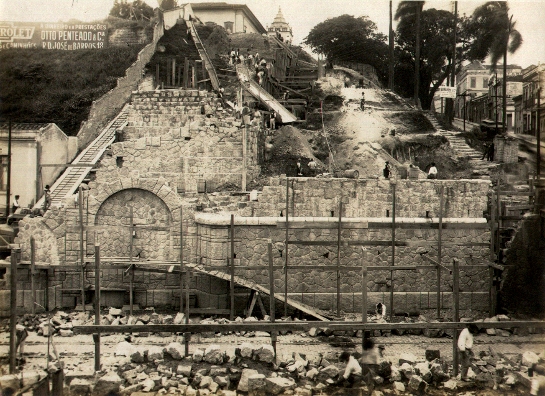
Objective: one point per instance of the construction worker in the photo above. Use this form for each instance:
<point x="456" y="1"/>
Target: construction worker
<point x="465" y="345"/>
<point x="47" y="198"/>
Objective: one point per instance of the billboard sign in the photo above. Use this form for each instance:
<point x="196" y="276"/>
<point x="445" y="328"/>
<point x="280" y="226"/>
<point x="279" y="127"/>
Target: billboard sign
<point x="446" y="92"/>
<point x="53" y="36"/>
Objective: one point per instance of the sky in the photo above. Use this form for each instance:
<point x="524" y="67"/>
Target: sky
<point x="302" y="15"/>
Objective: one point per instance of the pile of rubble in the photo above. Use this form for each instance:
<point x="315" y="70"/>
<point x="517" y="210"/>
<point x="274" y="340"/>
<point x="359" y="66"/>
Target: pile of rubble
<point x="253" y="369"/>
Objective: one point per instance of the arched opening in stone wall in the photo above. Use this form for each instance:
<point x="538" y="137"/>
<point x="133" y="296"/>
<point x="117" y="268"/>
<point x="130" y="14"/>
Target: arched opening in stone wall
<point x="152" y="221"/>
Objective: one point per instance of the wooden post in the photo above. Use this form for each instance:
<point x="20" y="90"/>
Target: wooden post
<point x="491" y="293"/>
<point x="393" y="250"/>
<point x="439" y="252"/>
<point x="456" y="313"/>
<point x="272" y="305"/>
<point x="244" y="154"/>
<point x="492" y="227"/>
<point x="157" y="78"/>
<point x="46" y="296"/>
<point x="364" y="285"/>
<point x="339" y="227"/>
<point x="363" y="291"/>
<point x="194" y="76"/>
<point x="33" y="273"/>
<point x="173" y="82"/>
<point x="287" y="245"/>
<point x="181" y="259"/>
<point x="498" y="218"/>
<point x="131" y="267"/>
<point x="96" y="337"/>
<point x="81" y="254"/>
<point x="232" y="283"/>
<point x="13" y="312"/>
<point x="186" y="72"/>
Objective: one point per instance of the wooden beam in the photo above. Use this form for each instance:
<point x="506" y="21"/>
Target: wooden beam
<point x="13" y="312"/>
<point x="81" y="252"/>
<point x="297" y="326"/>
<point x="96" y="336"/>
<point x="379" y="225"/>
<point x="193" y="327"/>
<point x="384" y="243"/>
<point x="232" y="267"/>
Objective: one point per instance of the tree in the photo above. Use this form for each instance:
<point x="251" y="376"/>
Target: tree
<point x="167" y="4"/>
<point x="496" y="35"/>
<point x="346" y="38"/>
<point x="137" y="10"/>
<point x="413" y="10"/>
<point x="436" y="53"/>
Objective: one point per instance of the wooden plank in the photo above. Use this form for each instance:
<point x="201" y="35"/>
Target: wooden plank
<point x="286" y="247"/>
<point x="193" y="327"/>
<point x="393" y="250"/>
<point x="33" y="272"/>
<point x="271" y="281"/>
<point x="385" y="243"/>
<point x="517" y="193"/>
<point x="338" y="274"/>
<point x="456" y="311"/>
<point x="81" y="252"/>
<point x="345" y="268"/>
<point x="297" y="326"/>
<point x="13" y="312"/>
<point x="439" y="251"/>
<point x="379" y="225"/>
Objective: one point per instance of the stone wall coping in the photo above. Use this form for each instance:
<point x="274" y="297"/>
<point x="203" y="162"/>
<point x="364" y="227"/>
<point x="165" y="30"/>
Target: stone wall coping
<point x="222" y="219"/>
<point x="446" y="182"/>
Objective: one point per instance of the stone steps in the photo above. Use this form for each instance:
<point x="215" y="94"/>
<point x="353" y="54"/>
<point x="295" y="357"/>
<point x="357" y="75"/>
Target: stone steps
<point x="481" y="168"/>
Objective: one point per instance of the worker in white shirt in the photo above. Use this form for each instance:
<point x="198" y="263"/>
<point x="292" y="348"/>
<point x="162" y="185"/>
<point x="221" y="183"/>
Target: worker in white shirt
<point x="465" y="345"/>
<point x="432" y="173"/>
<point x="352" y="372"/>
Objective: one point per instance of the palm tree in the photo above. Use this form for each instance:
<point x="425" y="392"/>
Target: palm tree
<point x="498" y="37"/>
<point x="413" y="9"/>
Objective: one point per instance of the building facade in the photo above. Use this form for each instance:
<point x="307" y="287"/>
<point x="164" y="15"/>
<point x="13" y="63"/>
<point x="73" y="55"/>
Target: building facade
<point x="471" y="83"/>
<point x="280" y="28"/>
<point x="235" y="18"/>
<point x="34" y="148"/>
<point x="495" y="94"/>
<point x="533" y="94"/>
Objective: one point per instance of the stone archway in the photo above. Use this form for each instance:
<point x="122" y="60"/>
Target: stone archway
<point x="152" y="219"/>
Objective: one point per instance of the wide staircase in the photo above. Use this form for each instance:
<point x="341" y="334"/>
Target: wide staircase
<point x="73" y="176"/>
<point x="481" y="168"/>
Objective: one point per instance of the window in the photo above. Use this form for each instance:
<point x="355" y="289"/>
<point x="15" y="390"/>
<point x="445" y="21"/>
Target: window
<point x="228" y="26"/>
<point x="485" y="82"/>
<point x="473" y="82"/>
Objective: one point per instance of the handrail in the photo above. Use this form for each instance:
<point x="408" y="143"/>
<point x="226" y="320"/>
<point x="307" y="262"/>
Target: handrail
<point x="204" y="56"/>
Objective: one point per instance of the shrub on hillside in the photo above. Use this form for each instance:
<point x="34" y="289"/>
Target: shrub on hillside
<point x="58" y="86"/>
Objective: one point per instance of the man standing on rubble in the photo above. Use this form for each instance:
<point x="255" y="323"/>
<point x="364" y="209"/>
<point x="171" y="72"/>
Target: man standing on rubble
<point x="465" y="345"/>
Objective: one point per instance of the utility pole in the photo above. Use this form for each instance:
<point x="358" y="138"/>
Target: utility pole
<point x="496" y="101"/>
<point x="391" y="45"/>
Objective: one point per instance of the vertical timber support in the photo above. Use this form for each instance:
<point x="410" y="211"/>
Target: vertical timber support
<point x="439" y="251"/>
<point x="272" y="306"/>
<point x="13" y="311"/>
<point x="131" y="267"/>
<point x="338" y="274"/>
<point x="456" y="312"/>
<point x="232" y="283"/>
<point x="96" y="337"/>
<point x="182" y="267"/>
<point x="287" y="246"/>
<point x="244" y="155"/>
<point x="81" y="253"/>
<point x="33" y="273"/>
<point x="363" y="289"/>
<point x="393" y="250"/>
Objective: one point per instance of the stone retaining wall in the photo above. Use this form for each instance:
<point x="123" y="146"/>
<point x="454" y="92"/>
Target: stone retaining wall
<point x="373" y="197"/>
<point x="468" y="241"/>
<point x="167" y="136"/>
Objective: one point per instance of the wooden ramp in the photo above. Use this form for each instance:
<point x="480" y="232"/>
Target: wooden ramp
<point x="317" y="313"/>
<point x="262" y="95"/>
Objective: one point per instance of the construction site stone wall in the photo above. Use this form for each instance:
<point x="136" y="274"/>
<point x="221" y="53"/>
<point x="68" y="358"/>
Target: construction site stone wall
<point x="158" y="206"/>
<point x="414" y="289"/>
<point x="185" y="137"/>
<point x="373" y="197"/>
